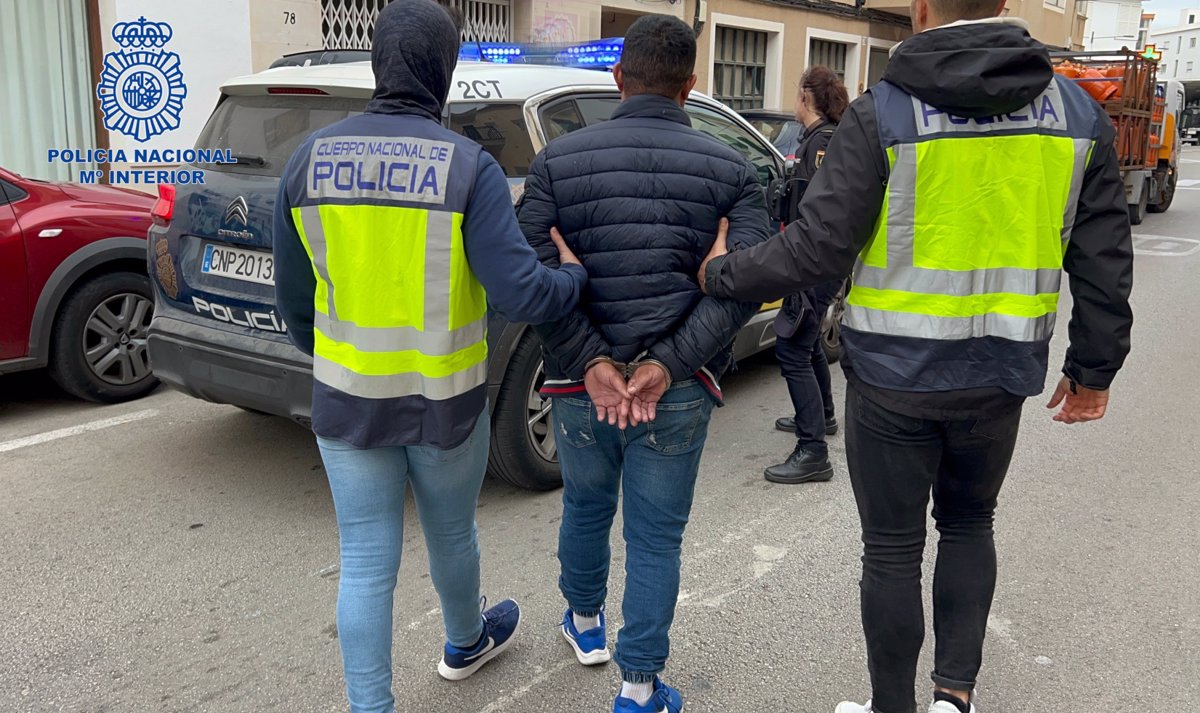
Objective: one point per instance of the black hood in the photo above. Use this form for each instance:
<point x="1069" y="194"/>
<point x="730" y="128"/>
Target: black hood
<point x="976" y="70"/>
<point x="413" y="54"/>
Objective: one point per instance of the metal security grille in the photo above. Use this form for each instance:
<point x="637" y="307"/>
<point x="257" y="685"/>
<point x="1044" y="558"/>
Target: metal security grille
<point x="348" y="24"/>
<point x="740" y="68"/>
<point x="485" y="20"/>
<point x="829" y="54"/>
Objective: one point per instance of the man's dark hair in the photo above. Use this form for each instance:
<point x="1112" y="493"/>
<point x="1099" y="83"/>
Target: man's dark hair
<point x="659" y="55"/>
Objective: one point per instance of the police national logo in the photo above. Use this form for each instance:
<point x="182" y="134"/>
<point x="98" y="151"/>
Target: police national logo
<point x="141" y="88"/>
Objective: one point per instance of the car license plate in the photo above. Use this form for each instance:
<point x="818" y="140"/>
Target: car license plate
<point x="238" y="264"/>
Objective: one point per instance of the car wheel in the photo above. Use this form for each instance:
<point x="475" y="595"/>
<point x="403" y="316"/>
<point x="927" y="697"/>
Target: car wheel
<point x="98" y="347"/>
<point x="831" y="328"/>
<point x="523" y="451"/>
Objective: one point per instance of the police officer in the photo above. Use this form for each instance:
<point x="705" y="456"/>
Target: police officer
<point x="959" y="188"/>
<point x="392" y="236"/>
<point x="820" y="103"/>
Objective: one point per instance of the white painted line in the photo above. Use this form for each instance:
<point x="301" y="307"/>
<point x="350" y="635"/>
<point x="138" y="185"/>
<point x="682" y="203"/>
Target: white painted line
<point x="1188" y="182"/>
<point x="48" y="436"/>
<point x="1164" y="245"/>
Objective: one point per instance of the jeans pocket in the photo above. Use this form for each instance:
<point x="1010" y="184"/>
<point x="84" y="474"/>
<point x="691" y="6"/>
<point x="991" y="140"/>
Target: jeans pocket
<point x="674" y="426"/>
<point x="884" y="420"/>
<point x="573" y="419"/>
<point x="996" y="428"/>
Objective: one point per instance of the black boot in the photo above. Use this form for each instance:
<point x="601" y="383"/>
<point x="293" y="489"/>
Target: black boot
<point x="831" y="425"/>
<point x="802" y="466"/>
<point x="787" y="424"/>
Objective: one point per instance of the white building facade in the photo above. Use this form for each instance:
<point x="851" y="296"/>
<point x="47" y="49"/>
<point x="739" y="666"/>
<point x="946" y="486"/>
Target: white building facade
<point x="1111" y="24"/>
<point x="1180" y="47"/>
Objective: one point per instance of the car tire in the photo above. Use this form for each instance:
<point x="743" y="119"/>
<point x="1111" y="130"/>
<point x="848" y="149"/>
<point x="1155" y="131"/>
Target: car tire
<point x="98" y="346"/>
<point x="831" y="327"/>
<point x="1166" y="197"/>
<point x="522" y="453"/>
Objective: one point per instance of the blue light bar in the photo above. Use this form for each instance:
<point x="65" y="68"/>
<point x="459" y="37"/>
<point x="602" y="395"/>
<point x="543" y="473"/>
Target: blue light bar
<point x="597" y="54"/>
<point x="498" y="52"/>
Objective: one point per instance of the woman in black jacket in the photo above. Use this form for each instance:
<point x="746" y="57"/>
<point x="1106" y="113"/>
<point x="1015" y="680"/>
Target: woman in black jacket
<point x="819" y="106"/>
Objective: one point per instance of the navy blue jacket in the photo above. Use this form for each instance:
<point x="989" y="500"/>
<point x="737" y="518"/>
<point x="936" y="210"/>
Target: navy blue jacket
<point x="638" y="199"/>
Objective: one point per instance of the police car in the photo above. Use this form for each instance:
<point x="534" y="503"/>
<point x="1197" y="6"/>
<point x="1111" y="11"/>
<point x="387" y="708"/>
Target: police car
<point x="216" y="334"/>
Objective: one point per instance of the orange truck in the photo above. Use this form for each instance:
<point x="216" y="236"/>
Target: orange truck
<point x="1146" y="115"/>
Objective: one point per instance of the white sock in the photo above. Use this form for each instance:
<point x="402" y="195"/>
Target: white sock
<point x="585" y="623"/>
<point x="639" y="693"/>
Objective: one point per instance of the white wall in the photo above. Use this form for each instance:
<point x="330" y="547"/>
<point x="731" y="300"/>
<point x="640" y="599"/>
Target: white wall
<point x="1111" y="25"/>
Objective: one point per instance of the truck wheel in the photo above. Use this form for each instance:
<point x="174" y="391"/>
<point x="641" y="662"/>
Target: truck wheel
<point x="1138" y="212"/>
<point x="98" y="347"/>
<point x="523" y="451"/>
<point x="1166" y="196"/>
<point x="831" y="327"/>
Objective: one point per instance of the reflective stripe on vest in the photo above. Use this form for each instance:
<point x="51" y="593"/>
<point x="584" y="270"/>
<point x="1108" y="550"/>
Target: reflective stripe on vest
<point x="398" y="310"/>
<point x="976" y="217"/>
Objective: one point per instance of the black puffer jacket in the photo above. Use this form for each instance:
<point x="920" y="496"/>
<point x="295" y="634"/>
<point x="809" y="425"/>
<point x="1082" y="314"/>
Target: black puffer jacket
<point x="638" y="199"/>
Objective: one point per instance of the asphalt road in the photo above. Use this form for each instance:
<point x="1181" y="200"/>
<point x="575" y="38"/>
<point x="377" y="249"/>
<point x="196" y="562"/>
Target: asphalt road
<point x="172" y="555"/>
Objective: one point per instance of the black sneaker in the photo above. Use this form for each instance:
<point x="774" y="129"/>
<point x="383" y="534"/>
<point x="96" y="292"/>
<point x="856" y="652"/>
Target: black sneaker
<point x="802" y="466"/>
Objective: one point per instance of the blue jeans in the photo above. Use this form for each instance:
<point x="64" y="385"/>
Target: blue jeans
<point x="368" y="494"/>
<point x="654" y="465"/>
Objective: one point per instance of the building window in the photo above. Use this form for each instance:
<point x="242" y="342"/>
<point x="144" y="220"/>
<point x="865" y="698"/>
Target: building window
<point x="1175" y="72"/>
<point x="829" y="54"/>
<point x="876" y="62"/>
<point x="1166" y="45"/>
<point x="349" y="24"/>
<point x="740" y="67"/>
<point x="1188" y="67"/>
<point x="1192" y="43"/>
<point x="1059" y="5"/>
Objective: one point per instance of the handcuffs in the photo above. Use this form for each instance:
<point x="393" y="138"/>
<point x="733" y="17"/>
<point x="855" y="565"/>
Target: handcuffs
<point x="627" y="370"/>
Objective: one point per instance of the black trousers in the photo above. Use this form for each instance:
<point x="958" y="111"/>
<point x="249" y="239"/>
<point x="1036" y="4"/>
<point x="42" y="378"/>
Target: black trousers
<point x="806" y="371"/>
<point x="895" y="462"/>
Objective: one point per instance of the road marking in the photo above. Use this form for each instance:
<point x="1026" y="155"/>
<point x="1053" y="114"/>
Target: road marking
<point x="1164" y="245"/>
<point x="39" y="438"/>
<point x="503" y="702"/>
<point x="1188" y="182"/>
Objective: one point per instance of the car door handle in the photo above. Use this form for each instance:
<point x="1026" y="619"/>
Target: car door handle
<point x="50" y="233"/>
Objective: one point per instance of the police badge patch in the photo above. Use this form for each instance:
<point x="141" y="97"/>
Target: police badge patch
<point x="820" y="158"/>
<point x="164" y="267"/>
<point x="141" y="88"/>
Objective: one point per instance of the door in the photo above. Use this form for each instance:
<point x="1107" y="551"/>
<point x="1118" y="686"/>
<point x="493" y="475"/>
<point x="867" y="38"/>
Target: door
<point x="14" y="287"/>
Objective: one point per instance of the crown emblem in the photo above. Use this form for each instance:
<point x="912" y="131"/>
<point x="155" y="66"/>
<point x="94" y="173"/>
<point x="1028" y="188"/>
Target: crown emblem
<point x="142" y="33"/>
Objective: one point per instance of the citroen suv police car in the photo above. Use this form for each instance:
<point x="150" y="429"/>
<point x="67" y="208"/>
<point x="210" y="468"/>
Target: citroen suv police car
<point x="216" y="334"/>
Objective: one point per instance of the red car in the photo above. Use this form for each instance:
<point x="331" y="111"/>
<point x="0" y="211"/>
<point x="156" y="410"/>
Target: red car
<point x="73" y="290"/>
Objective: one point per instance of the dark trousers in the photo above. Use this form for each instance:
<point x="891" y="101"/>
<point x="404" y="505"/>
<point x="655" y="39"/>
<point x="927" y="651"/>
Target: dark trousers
<point x="806" y="371"/>
<point x="895" y="461"/>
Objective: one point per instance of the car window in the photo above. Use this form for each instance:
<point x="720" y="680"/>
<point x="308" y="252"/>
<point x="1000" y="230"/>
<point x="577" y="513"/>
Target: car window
<point x="560" y="119"/>
<point x="727" y="131"/>
<point x="10" y="193"/>
<point x="266" y="130"/>
<point x="500" y="130"/>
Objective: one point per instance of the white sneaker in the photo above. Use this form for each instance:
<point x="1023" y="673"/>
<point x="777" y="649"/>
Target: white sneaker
<point x="945" y="707"/>
<point x="852" y="707"/>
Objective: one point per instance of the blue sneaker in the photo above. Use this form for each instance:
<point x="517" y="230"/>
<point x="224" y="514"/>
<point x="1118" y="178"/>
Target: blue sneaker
<point x="591" y="646"/>
<point x="664" y="700"/>
<point x="500" y="624"/>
